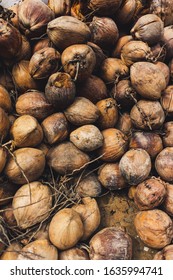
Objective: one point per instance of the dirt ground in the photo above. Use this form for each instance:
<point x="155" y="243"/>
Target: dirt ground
<point x="118" y="210"/>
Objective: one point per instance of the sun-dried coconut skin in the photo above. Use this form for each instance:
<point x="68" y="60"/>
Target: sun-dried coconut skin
<point x="165" y="254"/>
<point x="147" y="80"/>
<point x="29" y="160"/>
<point x="163" y="9"/>
<point x="111" y="243"/>
<point x="66" y="229"/>
<point x="38" y="250"/>
<point x="154" y="227"/>
<point x="148" y="28"/>
<point x="135" y="166"/>
<point x="31" y="204"/>
<point x="90" y="215"/>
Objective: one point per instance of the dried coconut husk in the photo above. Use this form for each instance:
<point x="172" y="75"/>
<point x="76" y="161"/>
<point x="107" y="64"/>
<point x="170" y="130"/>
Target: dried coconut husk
<point x="104" y="8"/>
<point x="44" y="62"/>
<point x="125" y="123"/>
<point x="149" y="141"/>
<point x="38" y="250"/>
<point x="168" y="202"/>
<point x="90" y="215"/>
<point x="34" y="15"/>
<point x="147" y="79"/>
<point x="163" y="9"/>
<point x="66" y="229"/>
<point x="5" y="100"/>
<point x="115" y="144"/>
<point x="92" y="88"/>
<point x="147" y="115"/>
<point x="108" y="113"/>
<point x="55" y="128"/>
<point x="25" y="165"/>
<point x="22" y="78"/>
<point x="168" y="134"/>
<point x="171" y="69"/>
<point x="88" y="186"/>
<point x="163" y="67"/>
<point x="119" y="45"/>
<point x="154" y="227"/>
<point x="99" y="54"/>
<point x="6" y="80"/>
<point x="148" y="28"/>
<point x="111" y="177"/>
<point x="60" y="8"/>
<point x="135" y="166"/>
<point x="65" y="31"/>
<point x="112" y="69"/>
<point x="34" y="103"/>
<point x="150" y="193"/>
<point x="26" y="136"/>
<point x="104" y="32"/>
<point x="116" y="246"/>
<point x="60" y="90"/>
<point x="74" y="253"/>
<point x="164" y="164"/>
<point x="126" y="11"/>
<point x="124" y="94"/>
<point x="82" y="111"/>
<point x="167" y="100"/>
<point x="42" y="43"/>
<point x="87" y="138"/>
<point x="10" y="40"/>
<point x="3" y="157"/>
<point x="8" y="215"/>
<point x="167" y="41"/>
<point x="134" y="51"/>
<point x="31" y="204"/>
<point x="5" y="124"/>
<point x="78" y="61"/>
<point x="66" y="158"/>
<point x="12" y="252"/>
<point x="165" y="254"/>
